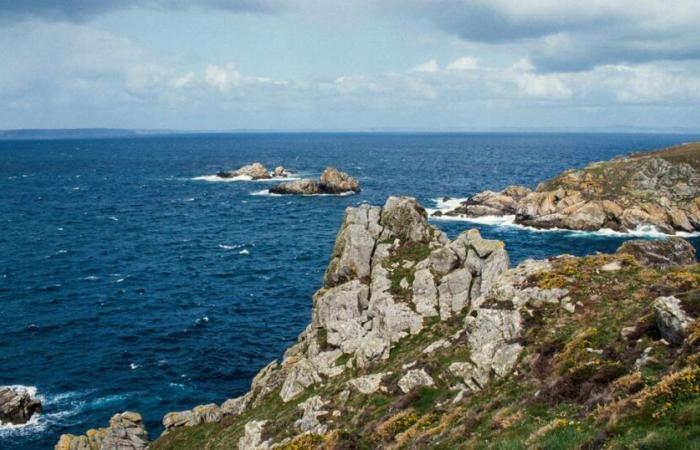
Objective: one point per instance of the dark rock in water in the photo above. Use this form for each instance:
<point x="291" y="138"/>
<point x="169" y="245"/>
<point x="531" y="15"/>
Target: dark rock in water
<point x="332" y="181"/>
<point x="437" y="214"/>
<point x="446" y="199"/>
<point x="662" y="253"/>
<point x="17" y="406"/>
<point x="298" y="187"/>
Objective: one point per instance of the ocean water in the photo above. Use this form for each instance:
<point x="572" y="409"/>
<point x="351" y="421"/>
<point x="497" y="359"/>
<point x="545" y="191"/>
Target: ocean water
<point x="128" y="282"/>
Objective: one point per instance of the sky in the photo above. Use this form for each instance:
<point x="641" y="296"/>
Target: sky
<point x="350" y="64"/>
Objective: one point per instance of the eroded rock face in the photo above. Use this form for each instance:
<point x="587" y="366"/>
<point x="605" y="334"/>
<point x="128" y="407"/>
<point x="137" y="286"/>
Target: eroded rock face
<point x="255" y="171"/>
<point x="125" y="432"/>
<point x="660" y="189"/>
<point x="391" y="273"/>
<point x="17" y="406"/>
<point x="662" y="253"/>
<point x="331" y="182"/>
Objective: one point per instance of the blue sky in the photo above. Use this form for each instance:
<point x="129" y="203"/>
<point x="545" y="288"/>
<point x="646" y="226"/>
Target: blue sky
<point x="350" y="65"/>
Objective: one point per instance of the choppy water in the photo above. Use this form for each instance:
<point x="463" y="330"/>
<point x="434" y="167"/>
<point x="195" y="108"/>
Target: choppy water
<point x="125" y="283"/>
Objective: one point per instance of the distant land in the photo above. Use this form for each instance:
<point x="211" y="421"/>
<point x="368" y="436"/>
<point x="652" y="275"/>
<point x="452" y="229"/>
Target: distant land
<point x="105" y="133"/>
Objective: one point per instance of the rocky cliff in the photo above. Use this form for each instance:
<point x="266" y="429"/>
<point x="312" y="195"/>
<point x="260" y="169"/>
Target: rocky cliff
<point x="661" y="189"/>
<point x="418" y="341"/>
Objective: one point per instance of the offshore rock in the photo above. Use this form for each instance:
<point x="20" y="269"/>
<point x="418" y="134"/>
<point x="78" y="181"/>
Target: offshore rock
<point x="17" y="406"/>
<point x="255" y="171"/>
<point x="331" y="182"/>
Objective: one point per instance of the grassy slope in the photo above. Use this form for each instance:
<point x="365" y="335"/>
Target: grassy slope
<point x="575" y="386"/>
<point x="613" y="180"/>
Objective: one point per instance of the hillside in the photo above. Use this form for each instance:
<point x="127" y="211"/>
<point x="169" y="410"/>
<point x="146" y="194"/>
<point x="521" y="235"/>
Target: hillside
<point x="417" y="341"/>
<point x="660" y="189"/>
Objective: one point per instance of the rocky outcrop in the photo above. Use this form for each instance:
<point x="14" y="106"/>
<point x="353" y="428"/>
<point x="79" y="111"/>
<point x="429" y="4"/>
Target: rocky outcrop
<point x="331" y="182"/>
<point x="255" y="171"/>
<point x="125" y="432"/>
<point x="661" y="189"/>
<point x="17" y="405"/>
<point x="661" y="253"/>
<point x="671" y="320"/>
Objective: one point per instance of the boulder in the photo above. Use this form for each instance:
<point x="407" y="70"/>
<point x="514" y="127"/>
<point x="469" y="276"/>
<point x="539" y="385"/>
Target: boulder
<point x="252" y="436"/>
<point x="662" y="253"/>
<point x="17" y="405"/>
<point x="279" y="172"/>
<point x="312" y="409"/>
<point x="368" y="384"/>
<point x="413" y="379"/>
<point x="670" y="319"/>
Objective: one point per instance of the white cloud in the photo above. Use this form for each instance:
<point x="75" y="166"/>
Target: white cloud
<point x="464" y="63"/>
<point x="427" y="67"/>
<point x="542" y="87"/>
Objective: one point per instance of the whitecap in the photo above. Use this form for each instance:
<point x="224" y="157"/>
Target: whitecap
<point x="91" y="278"/>
<point x="244" y="252"/>
<point x="113" y="218"/>
<point x="229" y="247"/>
<point x="217" y="179"/>
<point x="133" y="366"/>
<point x="267" y="193"/>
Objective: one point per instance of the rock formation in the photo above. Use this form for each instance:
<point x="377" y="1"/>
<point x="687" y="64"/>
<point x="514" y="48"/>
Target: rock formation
<point x="410" y="324"/>
<point x="125" y="432"/>
<point x="332" y="181"/>
<point x="17" y="406"/>
<point x="255" y="171"/>
<point x="659" y="189"/>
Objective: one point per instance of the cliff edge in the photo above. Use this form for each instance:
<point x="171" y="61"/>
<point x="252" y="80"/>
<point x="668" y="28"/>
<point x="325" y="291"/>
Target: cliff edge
<point x="418" y="341"/>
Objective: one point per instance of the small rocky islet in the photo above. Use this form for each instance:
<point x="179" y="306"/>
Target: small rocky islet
<point x="419" y="341"/>
<point x="255" y="171"/>
<point x="659" y="189"/>
<point x="331" y="182"/>
<point x="17" y="406"/>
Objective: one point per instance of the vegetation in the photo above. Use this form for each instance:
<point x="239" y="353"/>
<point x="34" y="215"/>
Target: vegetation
<point x="597" y="377"/>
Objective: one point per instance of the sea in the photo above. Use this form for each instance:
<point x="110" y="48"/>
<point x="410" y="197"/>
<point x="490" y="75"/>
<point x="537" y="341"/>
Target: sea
<point x="131" y="279"/>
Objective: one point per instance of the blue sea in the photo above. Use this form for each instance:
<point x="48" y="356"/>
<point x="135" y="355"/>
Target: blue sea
<point x="129" y="283"/>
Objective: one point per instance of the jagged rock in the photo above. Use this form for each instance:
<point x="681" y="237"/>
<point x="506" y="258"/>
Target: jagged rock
<point x="312" y="409"/>
<point x="279" y="172"/>
<point x="404" y="218"/>
<point x="413" y="379"/>
<point x="662" y="253"/>
<point x="368" y="384"/>
<point x="425" y="293"/>
<point x="235" y="406"/>
<point x="443" y="260"/>
<point x="17" y="405"/>
<point x="671" y="320"/>
<point x="493" y="351"/>
<point x="332" y="181"/>
<point x="354" y="245"/>
<point x="252" y="437"/>
<point x="255" y="171"/>
<point x="301" y="375"/>
<point x="454" y="290"/>
<point x="210" y="413"/>
<point x="125" y="432"/>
